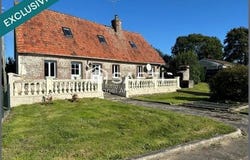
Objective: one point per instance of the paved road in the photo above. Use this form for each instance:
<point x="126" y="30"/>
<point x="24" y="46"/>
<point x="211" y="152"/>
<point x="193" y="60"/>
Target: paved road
<point x="234" y="149"/>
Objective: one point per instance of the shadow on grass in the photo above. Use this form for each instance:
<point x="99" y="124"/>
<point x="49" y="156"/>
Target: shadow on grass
<point x="195" y="93"/>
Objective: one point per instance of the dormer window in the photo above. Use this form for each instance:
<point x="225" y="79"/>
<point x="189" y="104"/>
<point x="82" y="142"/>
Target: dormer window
<point x="132" y="44"/>
<point x="67" y="32"/>
<point x="102" y="39"/>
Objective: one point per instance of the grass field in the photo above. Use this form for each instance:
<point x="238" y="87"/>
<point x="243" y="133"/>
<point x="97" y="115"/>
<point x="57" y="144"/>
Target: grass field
<point x="200" y="92"/>
<point x="98" y="129"/>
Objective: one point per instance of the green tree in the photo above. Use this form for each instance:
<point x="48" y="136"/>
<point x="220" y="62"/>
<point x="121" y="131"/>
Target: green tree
<point x="10" y="65"/>
<point x="236" y="45"/>
<point x="167" y="58"/>
<point x="203" y="46"/>
<point x="191" y="59"/>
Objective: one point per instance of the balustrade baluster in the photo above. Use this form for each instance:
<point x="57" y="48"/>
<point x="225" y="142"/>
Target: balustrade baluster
<point x="63" y="87"/>
<point x="68" y="87"/>
<point x="91" y="86"/>
<point x="35" y="89"/>
<point x="80" y="86"/>
<point x="84" y="86"/>
<point x="77" y="87"/>
<point x="39" y="92"/>
<point x="28" y="89"/>
<point x="87" y="86"/>
<point x="59" y="87"/>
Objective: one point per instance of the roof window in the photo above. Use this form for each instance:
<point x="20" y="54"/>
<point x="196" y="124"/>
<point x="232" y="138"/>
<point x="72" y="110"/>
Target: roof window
<point x="102" y="39"/>
<point x="132" y="44"/>
<point x="67" y="32"/>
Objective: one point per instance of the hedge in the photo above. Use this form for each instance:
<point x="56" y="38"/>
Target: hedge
<point x="230" y="84"/>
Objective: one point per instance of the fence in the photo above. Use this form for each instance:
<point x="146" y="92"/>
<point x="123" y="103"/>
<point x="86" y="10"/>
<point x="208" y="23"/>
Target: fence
<point x="132" y="87"/>
<point x="23" y="91"/>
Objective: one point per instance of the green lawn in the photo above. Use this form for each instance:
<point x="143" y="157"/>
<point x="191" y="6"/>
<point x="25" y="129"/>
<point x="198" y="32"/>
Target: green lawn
<point x="98" y="129"/>
<point x="200" y="92"/>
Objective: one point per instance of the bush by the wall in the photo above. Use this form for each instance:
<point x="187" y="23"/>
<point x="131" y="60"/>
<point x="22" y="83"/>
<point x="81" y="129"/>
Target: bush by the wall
<point x="230" y="84"/>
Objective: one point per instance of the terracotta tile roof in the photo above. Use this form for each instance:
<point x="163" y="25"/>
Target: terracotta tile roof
<point x="43" y="35"/>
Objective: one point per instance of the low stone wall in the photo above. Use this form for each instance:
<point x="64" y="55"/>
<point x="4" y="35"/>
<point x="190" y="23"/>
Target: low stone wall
<point x="23" y="91"/>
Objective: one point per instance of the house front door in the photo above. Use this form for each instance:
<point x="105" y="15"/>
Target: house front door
<point x="96" y="71"/>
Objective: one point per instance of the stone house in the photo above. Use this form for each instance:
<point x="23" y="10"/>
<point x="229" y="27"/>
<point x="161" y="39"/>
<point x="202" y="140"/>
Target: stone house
<point x="61" y="46"/>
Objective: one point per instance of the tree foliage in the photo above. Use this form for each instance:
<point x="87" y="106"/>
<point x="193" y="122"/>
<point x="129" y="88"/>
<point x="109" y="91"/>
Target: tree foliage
<point x="165" y="57"/>
<point x="203" y="46"/>
<point x="10" y="65"/>
<point x="236" y="45"/>
<point x="230" y="84"/>
<point x="191" y="59"/>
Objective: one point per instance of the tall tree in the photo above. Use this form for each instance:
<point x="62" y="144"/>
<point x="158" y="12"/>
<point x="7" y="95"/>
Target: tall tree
<point x="167" y="58"/>
<point x="202" y="46"/>
<point x="236" y="45"/>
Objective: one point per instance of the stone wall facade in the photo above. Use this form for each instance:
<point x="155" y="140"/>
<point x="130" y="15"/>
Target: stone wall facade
<point x="32" y="66"/>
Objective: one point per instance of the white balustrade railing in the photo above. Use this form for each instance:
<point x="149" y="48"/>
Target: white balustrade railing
<point x="130" y="87"/>
<point x="134" y="84"/>
<point x="23" y="91"/>
<point x="166" y="82"/>
<point x="74" y="86"/>
<point x="27" y="88"/>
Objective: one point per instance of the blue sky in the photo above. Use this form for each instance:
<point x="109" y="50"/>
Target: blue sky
<point x="160" y="22"/>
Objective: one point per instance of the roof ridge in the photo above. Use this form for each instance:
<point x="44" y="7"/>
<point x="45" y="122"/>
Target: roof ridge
<point x="83" y="19"/>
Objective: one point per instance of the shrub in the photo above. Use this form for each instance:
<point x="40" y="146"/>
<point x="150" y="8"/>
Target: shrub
<point x="74" y="98"/>
<point x="230" y="84"/>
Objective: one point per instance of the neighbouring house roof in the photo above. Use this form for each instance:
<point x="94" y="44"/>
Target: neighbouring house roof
<point x="43" y="34"/>
<point x="214" y="64"/>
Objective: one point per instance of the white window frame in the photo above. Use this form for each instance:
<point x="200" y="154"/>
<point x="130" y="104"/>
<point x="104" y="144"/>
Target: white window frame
<point x="116" y="71"/>
<point x="77" y="66"/>
<point x="49" y="68"/>
<point x="139" y="71"/>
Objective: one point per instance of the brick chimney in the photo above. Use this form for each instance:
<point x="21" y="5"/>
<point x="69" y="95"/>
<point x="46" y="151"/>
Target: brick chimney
<point x="117" y="24"/>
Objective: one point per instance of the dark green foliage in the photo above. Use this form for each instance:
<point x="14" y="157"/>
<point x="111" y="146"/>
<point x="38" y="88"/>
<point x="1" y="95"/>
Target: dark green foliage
<point x="203" y="46"/>
<point x="236" y="45"/>
<point x="165" y="57"/>
<point x="10" y="65"/>
<point x="191" y="59"/>
<point x="230" y="84"/>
